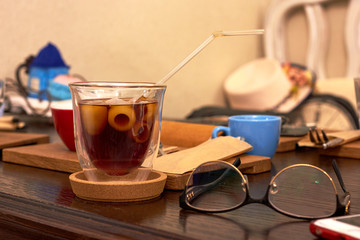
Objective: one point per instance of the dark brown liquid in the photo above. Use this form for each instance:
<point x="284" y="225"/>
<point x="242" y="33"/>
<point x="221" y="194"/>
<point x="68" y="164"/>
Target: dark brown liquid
<point x="117" y="137"/>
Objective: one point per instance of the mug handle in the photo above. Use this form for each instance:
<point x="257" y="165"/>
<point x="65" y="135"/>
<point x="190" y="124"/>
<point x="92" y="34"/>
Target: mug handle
<point x="218" y="129"/>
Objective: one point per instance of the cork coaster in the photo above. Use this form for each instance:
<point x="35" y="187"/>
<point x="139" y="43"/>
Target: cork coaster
<point x="107" y="190"/>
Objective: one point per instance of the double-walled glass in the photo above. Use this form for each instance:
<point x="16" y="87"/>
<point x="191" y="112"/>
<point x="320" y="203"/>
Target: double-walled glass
<point x="117" y="128"/>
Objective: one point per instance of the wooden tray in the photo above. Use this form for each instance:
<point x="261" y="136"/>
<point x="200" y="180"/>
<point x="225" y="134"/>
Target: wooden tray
<point x="55" y="156"/>
<point x="348" y="150"/>
<point x="287" y="144"/>
<point x="250" y="164"/>
<point x="14" y="139"/>
<point x="192" y="134"/>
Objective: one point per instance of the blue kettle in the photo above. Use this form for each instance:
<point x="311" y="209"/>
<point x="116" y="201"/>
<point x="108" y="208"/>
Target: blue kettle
<point x="42" y="70"/>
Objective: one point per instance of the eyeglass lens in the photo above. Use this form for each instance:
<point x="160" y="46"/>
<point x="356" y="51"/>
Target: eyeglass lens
<point x="302" y="191"/>
<point x="215" y="187"/>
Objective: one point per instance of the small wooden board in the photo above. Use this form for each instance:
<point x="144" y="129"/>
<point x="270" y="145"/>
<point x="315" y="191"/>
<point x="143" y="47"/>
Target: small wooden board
<point x="250" y="164"/>
<point x="287" y="144"/>
<point x="14" y="139"/>
<point x="348" y="150"/>
<point x="185" y="134"/>
<point x="53" y="156"/>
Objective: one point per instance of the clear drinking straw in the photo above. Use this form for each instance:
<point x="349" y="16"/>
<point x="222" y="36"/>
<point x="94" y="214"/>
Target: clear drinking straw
<point x="204" y="44"/>
<point x="196" y="51"/>
<point x="143" y="176"/>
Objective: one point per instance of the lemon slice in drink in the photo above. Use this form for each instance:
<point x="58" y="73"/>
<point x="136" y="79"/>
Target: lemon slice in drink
<point x="121" y="118"/>
<point x="93" y="118"/>
<point x="140" y="132"/>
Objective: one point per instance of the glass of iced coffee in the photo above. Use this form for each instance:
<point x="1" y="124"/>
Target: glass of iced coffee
<point x="117" y="128"/>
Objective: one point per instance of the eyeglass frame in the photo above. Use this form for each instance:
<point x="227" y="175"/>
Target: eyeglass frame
<point x="341" y="208"/>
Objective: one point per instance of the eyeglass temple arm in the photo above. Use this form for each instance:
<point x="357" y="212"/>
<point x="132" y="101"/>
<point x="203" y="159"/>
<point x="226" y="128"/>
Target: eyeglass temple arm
<point x="195" y="191"/>
<point x="338" y="174"/>
<point x="237" y="162"/>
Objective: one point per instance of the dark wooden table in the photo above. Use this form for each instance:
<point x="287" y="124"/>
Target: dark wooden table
<point x="39" y="204"/>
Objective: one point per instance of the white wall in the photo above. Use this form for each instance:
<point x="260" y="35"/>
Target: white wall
<point x="335" y="15"/>
<point x="138" y="40"/>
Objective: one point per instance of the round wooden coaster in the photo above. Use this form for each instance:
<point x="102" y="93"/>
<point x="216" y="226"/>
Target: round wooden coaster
<point x="108" y="190"/>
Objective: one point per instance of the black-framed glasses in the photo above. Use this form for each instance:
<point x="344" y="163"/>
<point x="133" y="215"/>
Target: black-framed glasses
<point x="300" y="190"/>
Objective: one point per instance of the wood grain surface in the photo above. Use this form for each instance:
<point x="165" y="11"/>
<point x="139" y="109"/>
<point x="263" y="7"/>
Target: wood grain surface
<point x="42" y="200"/>
<point x="13" y="139"/>
<point x="55" y="156"/>
<point x="250" y="164"/>
<point x="192" y="134"/>
<point x="37" y="203"/>
<point x="287" y="144"/>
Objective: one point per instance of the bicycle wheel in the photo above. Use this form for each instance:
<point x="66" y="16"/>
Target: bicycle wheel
<point x="327" y="112"/>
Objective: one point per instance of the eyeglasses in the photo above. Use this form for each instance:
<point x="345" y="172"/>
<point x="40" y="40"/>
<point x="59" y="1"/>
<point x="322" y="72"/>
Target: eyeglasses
<point x="301" y="190"/>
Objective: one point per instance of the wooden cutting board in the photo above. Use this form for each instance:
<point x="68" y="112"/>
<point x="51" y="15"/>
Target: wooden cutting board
<point x="55" y="156"/>
<point x="348" y="150"/>
<point x="14" y="139"/>
<point x="250" y="164"/>
<point x="287" y="144"/>
<point x="192" y="134"/>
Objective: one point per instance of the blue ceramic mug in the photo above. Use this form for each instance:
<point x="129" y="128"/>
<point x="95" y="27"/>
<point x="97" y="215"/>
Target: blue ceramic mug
<point x="262" y="132"/>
